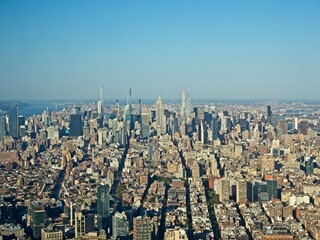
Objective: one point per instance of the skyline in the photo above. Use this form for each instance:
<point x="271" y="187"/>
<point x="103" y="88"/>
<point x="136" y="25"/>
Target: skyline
<point x="220" y="50"/>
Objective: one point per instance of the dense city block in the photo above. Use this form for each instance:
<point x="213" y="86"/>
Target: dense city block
<point x="164" y="170"/>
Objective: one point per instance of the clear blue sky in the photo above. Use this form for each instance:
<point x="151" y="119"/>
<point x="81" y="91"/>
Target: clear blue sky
<point x="218" y="49"/>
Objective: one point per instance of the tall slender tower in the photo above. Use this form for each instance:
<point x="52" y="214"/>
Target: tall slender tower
<point x="160" y="116"/>
<point x="183" y="105"/>
<point x="188" y="104"/>
<point x="140" y="106"/>
<point x="101" y="94"/>
<point x="100" y="102"/>
<point x="130" y="100"/>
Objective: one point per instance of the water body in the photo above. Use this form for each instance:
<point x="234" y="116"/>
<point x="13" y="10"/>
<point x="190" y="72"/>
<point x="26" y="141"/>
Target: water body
<point x="36" y="107"/>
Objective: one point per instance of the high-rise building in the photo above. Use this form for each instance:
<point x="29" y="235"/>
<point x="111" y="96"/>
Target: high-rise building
<point x="2" y="127"/>
<point x="283" y="126"/>
<point x="295" y="123"/>
<point x="308" y="166"/>
<point x="50" y="132"/>
<point x="183" y="106"/>
<point x="160" y="117"/>
<point x="37" y="216"/>
<point x="99" y="108"/>
<point x="203" y="136"/>
<point x="120" y="225"/>
<point x="188" y="104"/>
<point x="272" y="187"/>
<point x="244" y="124"/>
<point x="84" y="222"/>
<point x="269" y="113"/>
<point x="226" y="123"/>
<point x="304" y="127"/>
<point x="21" y="126"/>
<point x="100" y="102"/>
<point x="139" y="111"/>
<point x="241" y="191"/>
<point x="142" y="228"/>
<point x="21" y="120"/>
<point x="127" y="113"/>
<point x="13" y="122"/>
<point x="263" y="194"/>
<point x="46" y="117"/>
<point x="224" y="190"/>
<point x="214" y="127"/>
<point x="145" y="116"/>
<point x="130" y="100"/>
<point x="75" y="125"/>
<point x="103" y="204"/>
<point x="79" y="224"/>
<point x="199" y="112"/>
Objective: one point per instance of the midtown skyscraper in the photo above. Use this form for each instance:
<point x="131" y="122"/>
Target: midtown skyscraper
<point x="160" y="120"/>
<point x="185" y="105"/>
<point x="269" y="113"/>
<point x="13" y="122"/>
<point x="100" y="102"/>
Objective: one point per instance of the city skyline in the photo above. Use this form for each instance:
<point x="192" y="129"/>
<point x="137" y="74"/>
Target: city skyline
<point x="220" y="50"/>
<point x="159" y="120"/>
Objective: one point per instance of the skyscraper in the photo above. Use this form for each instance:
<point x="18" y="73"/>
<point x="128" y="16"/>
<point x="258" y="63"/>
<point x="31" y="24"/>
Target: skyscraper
<point x="185" y="105"/>
<point x="2" y="127"/>
<point x="263" y="193"/>
<point x="160" y="118"/>
<point x="103" y="204"/>
<point x="145" y="122"/>
<point x="13" y="122"/>
<point x="99" y="108"/>
<point x="21" y="126"/>
<point x="100" y="102"/>
<point x="272" y="188"/>
<point x="295" y="123"/>
<point x="120" y="225"/>
<point x="241" y="191"/>
<point x="130" y="99"/>
<point x="283" y="126"/>
<point x="224" y="190"/>
<point x="303" y="127"/>
<point x="37" y="216"/>
<point x="269" y="113"/>
<point x="214" y="127"/>
<point x="84" y="222"/>
<point x="140" y="106"/>
<point x="75" y="125"/>
<point x="188" y="104"/>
